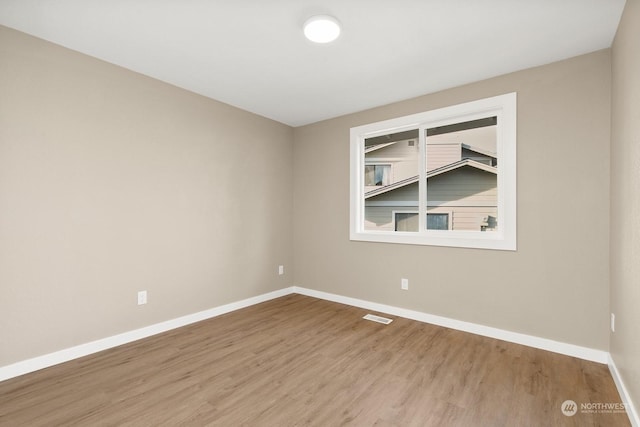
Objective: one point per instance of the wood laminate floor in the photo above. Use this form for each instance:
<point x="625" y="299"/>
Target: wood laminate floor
<point x="298" y="360"/>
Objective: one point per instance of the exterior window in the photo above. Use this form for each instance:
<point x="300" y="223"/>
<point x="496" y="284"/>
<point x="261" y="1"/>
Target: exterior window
<point x="437" y="221"/>
<point x="377" y="175"/>
<point x="457" y="164"/>
<point x="406" y="221"/>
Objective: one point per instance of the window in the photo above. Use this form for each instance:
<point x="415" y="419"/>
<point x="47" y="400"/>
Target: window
<point x="406" y="221"/>
<point x="437" y="221"/>
<point x="456" y="165"/>
<point x="377" y="175"/>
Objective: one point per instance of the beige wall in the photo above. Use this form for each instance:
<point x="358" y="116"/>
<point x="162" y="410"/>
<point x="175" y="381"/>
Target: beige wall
<point x="555" y="286"/>
<point x="625" y="199"/>
<point x="112" y="182"/>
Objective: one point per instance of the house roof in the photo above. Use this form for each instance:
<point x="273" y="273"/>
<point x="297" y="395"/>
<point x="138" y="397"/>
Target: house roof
<point x="480" y="150"/>
<point x="430" y="174"/>
<point x="473" y="148"/>
<point x="378" y="146"/>
<point x="459" y="164"/>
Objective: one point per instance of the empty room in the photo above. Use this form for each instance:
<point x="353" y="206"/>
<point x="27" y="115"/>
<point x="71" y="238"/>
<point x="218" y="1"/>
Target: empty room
<point x="253" y="213"/>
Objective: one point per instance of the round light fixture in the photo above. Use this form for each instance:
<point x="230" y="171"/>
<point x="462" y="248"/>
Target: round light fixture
<point x="322" y="29"/>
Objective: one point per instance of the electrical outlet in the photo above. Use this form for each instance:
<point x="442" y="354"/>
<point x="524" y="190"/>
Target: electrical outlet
<point x="404" y="284"/>
<point x="142" y="297"/>
<point x="281" y="270"/>
<point x="613" y="322"/>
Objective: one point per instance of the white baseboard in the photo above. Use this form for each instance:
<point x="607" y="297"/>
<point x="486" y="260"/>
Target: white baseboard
<point x="632" y="413"/>
<point x="41" y="362"/>
<point x="585" y="353"/>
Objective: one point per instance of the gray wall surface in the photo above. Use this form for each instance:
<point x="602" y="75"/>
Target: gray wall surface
<point x="555" y="286"/>
<point x="111" y="183"/>
<point x="625" y="200"/>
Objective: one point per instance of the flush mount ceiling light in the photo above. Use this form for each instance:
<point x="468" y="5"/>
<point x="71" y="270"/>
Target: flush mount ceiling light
<point x="322" y="29"/>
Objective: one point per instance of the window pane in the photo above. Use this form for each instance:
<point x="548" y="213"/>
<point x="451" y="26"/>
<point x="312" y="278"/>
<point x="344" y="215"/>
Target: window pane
<point x="462" y="174"/>
<point x="406" y="221"/>
<point x="390" y="179"/>
<point x="377" y="175"/>
<point x="437" y="221"/>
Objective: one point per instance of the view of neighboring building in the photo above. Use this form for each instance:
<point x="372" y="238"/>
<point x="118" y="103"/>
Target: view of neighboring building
<point x="461" y="174"/>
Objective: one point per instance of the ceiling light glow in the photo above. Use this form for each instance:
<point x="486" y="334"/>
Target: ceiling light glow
<point x="321" y="29"/>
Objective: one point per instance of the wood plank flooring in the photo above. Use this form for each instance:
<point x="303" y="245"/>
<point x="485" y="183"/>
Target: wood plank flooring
<point x="298" y="360"/>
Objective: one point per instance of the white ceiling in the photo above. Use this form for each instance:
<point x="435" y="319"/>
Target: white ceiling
<point x="252" y="53"/>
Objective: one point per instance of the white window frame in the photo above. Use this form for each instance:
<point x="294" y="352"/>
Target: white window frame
<point x="502" y="106"/>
